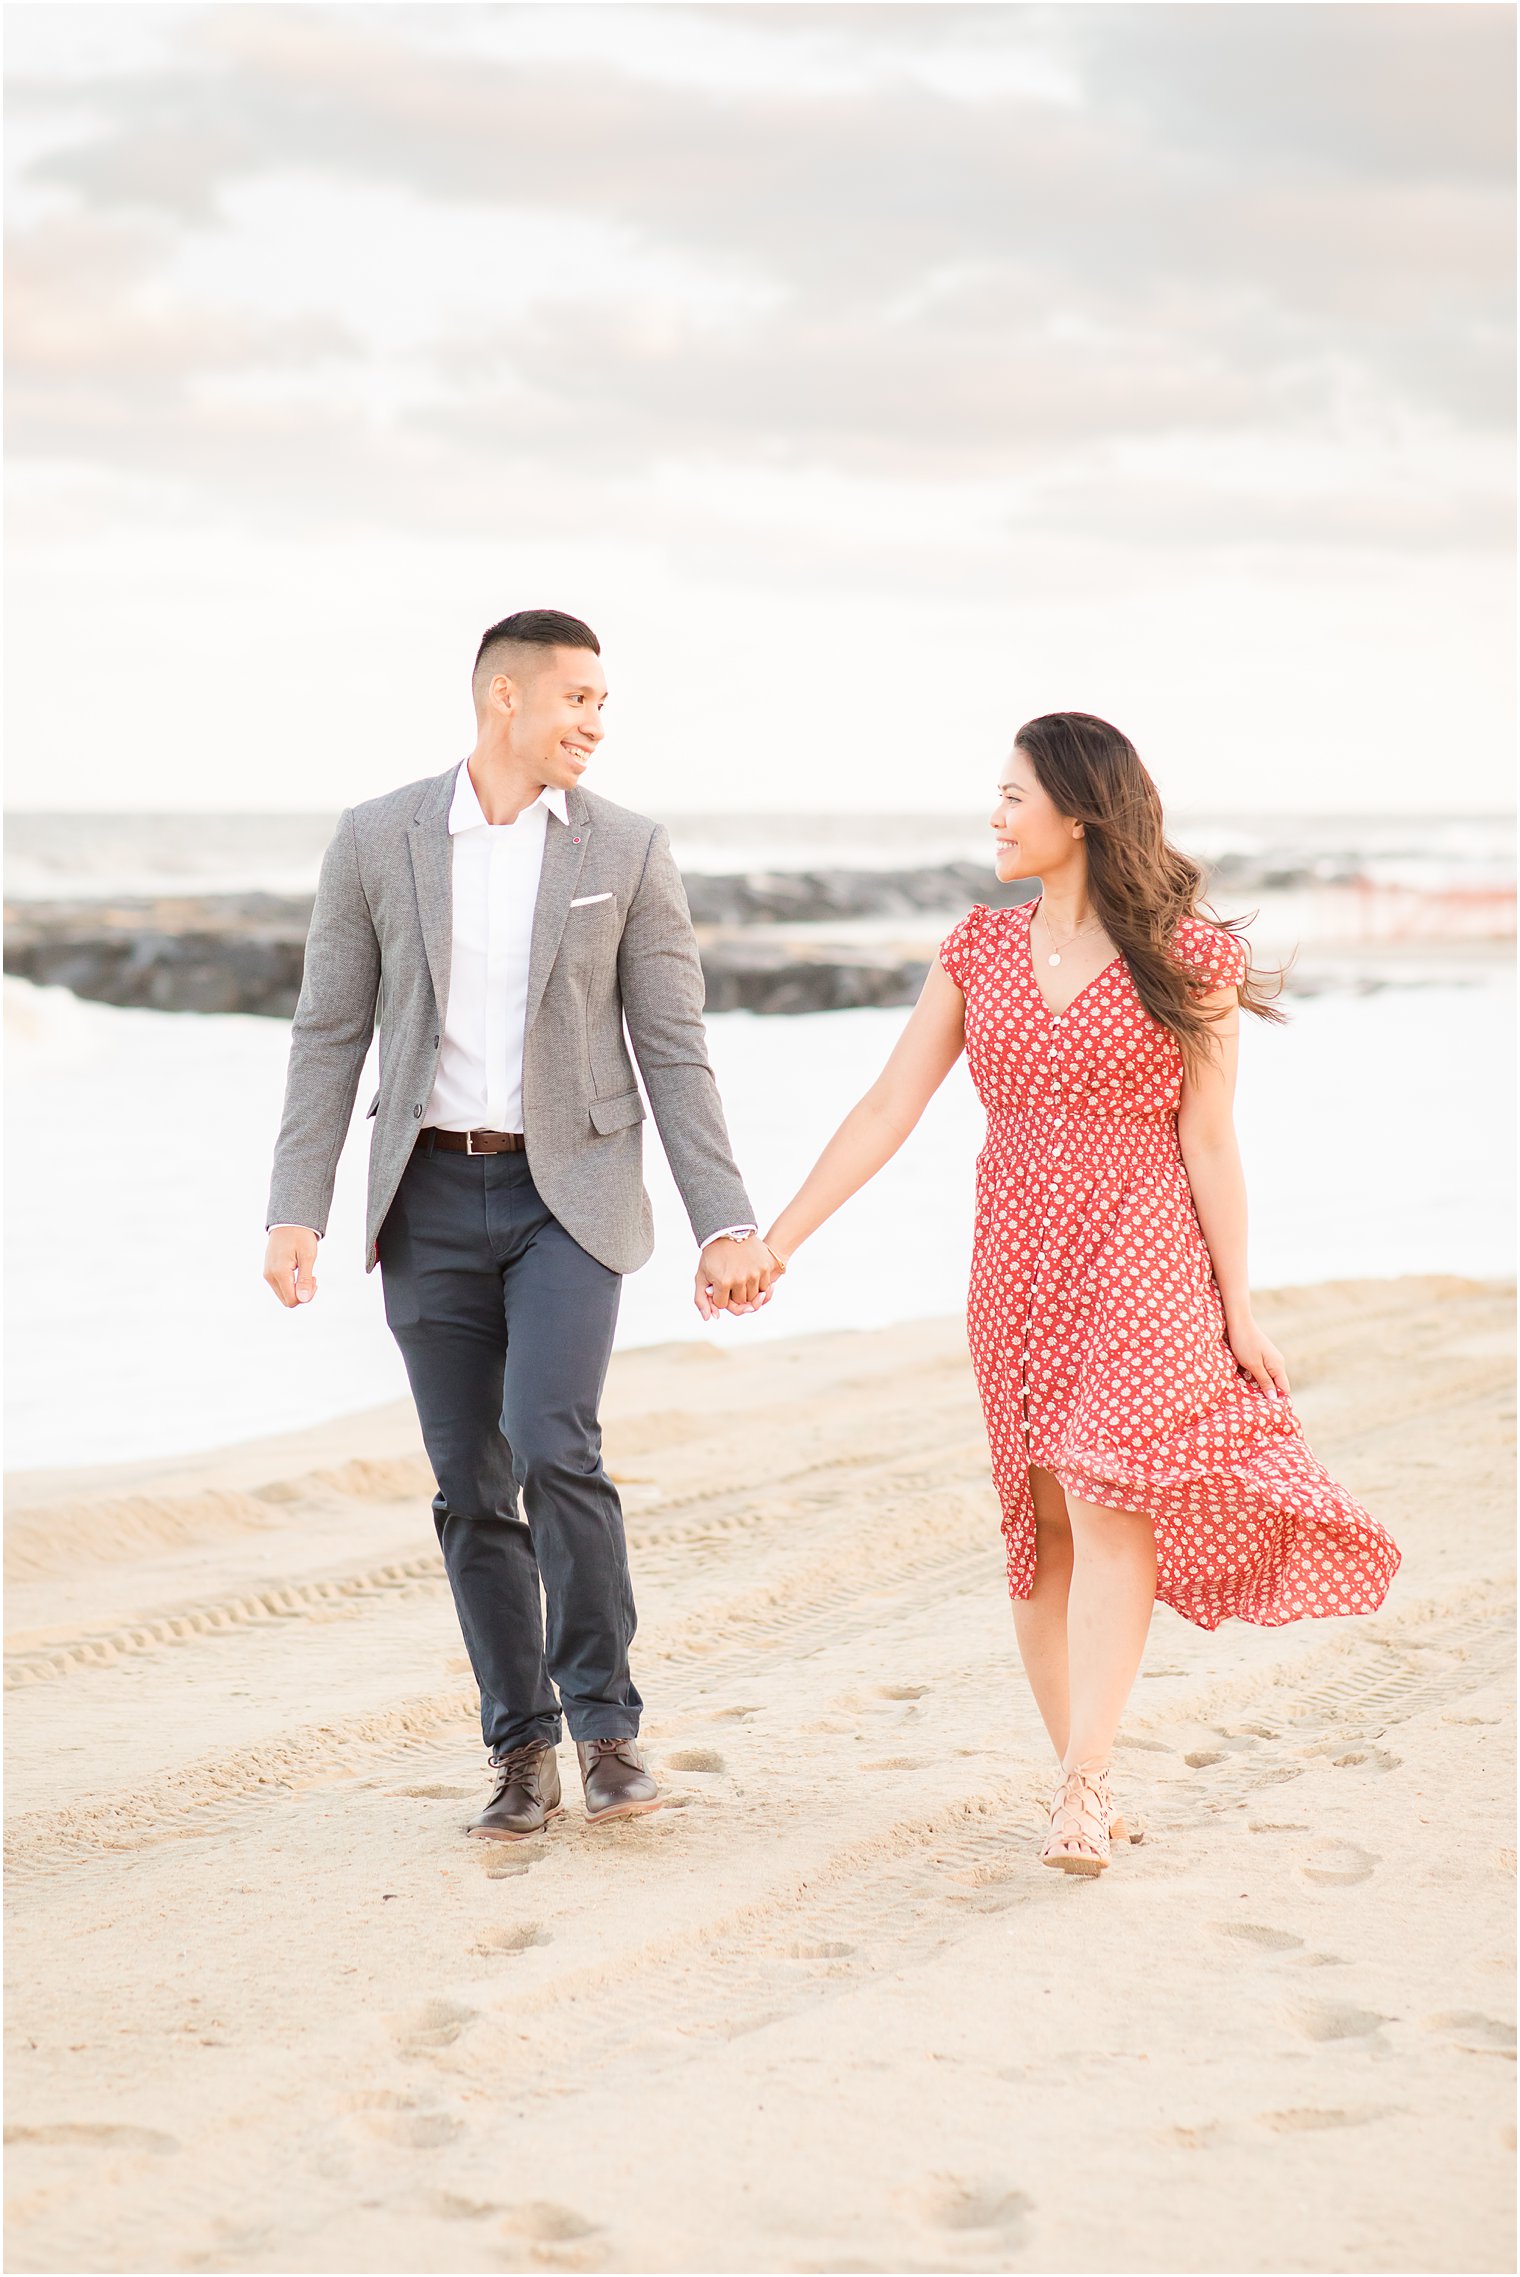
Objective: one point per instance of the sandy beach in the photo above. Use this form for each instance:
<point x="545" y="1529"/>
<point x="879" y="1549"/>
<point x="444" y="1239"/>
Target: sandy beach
<point x="270" y="2010"/>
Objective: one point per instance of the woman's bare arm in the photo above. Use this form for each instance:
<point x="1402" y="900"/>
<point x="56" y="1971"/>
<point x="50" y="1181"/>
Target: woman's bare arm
<point x="1211" y="1157"/>
<point x="877" y="1124"/>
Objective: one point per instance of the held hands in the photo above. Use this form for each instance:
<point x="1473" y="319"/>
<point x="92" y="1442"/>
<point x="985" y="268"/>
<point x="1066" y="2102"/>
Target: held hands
<point x="1258" y="1355"/>
<point x="736" y="1276"/>
<point x="290" y="1264"/>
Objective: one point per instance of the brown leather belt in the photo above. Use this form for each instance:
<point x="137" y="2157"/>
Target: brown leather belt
<point x="472" y="1142"/>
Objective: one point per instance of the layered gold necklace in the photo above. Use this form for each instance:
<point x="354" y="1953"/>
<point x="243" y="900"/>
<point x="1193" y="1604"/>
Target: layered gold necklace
<point x="1086" y="926"/>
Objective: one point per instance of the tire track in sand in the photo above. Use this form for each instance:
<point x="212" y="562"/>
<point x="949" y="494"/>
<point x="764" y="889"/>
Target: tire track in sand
<point x="903" y="1896"/>
<point x="208" y="1795"/>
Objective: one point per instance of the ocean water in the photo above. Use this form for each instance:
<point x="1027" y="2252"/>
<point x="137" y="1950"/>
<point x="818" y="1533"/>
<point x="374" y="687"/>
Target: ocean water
<point x="67" y="856"/>
<point x="1377" y="1133"/>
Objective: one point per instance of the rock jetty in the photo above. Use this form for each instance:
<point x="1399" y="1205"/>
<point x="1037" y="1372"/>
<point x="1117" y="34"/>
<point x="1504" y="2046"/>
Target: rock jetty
<point x="242" y="952"/>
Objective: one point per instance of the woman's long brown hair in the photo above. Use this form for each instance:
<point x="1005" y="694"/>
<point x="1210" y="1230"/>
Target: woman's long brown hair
<point x="1138" y="884"/>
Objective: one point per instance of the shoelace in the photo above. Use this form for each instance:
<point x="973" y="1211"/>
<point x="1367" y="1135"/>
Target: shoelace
<point x="602" y="1747"/>
<point x="517" y="1764"/>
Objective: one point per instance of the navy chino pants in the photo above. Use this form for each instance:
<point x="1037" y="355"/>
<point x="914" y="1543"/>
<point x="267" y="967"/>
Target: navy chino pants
<point x="505" y="1324"/>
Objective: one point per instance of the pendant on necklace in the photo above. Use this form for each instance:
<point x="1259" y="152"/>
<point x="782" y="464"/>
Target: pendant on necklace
<point x="1054" y="958"/>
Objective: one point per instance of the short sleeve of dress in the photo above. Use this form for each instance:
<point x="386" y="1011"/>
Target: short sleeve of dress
<point x="957" y="951"/>
<point x="1217" y="959"/>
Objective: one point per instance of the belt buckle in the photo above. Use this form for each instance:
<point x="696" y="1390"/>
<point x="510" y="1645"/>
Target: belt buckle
<point x="469" y="1139"/>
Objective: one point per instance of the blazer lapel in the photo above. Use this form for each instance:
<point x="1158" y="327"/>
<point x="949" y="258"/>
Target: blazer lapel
<point x="432" y="852"/>
<point x="564" y="852"/>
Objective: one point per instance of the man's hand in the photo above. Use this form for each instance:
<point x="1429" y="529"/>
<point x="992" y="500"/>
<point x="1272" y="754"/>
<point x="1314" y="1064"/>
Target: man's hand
<point x="735" y="1276"/>
<point x="290" y="1264"/>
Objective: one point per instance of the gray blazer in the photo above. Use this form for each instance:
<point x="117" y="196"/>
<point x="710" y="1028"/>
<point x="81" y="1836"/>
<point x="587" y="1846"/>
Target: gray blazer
<point x="379" y="945"/>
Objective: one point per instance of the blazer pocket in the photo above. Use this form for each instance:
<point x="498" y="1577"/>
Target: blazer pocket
<point x="616" y="1114"/>
<point x="586" y="899"/>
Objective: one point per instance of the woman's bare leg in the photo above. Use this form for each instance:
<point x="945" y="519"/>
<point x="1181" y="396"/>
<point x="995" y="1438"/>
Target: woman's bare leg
<point x="1109" y="1606"/>
<point x="1040" y="1619"/>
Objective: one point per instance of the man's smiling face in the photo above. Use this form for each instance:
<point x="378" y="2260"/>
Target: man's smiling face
<point x="556" y="713"/>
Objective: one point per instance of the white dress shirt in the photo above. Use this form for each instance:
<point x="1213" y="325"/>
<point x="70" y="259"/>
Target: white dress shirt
<point x="477" y="1085"/>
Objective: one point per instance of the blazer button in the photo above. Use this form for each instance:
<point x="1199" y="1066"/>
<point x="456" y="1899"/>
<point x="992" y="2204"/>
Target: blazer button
<point x="435" y="1043"/>
<point x="417" y="1114"/>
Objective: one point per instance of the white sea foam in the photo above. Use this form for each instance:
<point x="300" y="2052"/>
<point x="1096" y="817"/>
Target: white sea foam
<point x="1376" y="1134"/>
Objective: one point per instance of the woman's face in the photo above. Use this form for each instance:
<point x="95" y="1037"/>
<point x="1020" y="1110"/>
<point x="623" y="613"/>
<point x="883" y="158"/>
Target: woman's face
<point x="1034" y="839"/>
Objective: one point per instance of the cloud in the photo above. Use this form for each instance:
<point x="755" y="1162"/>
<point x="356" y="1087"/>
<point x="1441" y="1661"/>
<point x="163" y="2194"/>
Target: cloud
<point x="1207" y="221"/>
<point x="1413" y="94"/>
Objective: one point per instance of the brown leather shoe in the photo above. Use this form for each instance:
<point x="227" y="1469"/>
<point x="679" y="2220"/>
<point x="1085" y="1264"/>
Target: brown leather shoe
<point x="527" y="1794"/>
<point x="616" y="1783"/>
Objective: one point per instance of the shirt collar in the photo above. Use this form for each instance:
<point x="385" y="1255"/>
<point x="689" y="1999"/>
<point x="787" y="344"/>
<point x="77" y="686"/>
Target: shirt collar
<point x="464" y="809"/>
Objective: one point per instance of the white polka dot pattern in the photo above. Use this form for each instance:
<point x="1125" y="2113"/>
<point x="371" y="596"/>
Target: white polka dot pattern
<point x="1094" y="1319"/>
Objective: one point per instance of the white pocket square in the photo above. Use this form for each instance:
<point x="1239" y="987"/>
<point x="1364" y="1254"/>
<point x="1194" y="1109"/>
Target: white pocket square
<point x="585" y="900"/>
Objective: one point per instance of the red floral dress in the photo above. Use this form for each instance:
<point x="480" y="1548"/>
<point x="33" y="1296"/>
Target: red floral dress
<point x="1095" y="1322"/>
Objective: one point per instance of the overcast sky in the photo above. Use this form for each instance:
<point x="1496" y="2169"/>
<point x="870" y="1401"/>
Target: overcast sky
<point x="870" y="377"/>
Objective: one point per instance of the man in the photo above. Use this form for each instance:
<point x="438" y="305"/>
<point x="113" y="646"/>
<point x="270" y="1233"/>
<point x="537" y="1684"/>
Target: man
<point x="505" y="924"/>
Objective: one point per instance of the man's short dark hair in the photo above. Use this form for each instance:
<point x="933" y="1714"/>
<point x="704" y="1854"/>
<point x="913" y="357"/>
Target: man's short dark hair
<point x="539" y="628"/>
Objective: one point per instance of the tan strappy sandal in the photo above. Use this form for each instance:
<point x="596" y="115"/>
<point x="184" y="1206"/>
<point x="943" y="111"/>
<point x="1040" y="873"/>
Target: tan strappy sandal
<point x="1082" y="1813"/>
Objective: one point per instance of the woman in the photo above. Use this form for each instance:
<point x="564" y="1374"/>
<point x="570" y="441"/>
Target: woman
<point x="1143" y="1442"/>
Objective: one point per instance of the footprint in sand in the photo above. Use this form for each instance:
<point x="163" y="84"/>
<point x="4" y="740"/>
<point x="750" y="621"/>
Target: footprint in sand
<point x="444" y="2206"/>
<point x="414" y="2130"/>
<point x="433" y="2024"/>
<point x="66" y="2134"/>
<point x="1307" y="2120"/>
<point x="1352" y="1752"/>
<point x="735" y="1715"/>
<point x="516" y="1937"/>
<point x="501" y="1869"/>
<point x="548" y="2224"/>
<point x="694" y="1759"/>
<point x="438" y="1794"/>
<point x="894" y="1763"/>
<point x="1476" y="2035"/>
<point x="738" y="2027"/>
<point x="821" y="1949"/>
<point x="1338" y="1865"/>
<point x="1239" y="1740"/>
<point x="1326" y="2020"/>
<point x="1268" y="1940"/>
<point x="901" y="1691"/>
<point x="947" y="2202"/>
